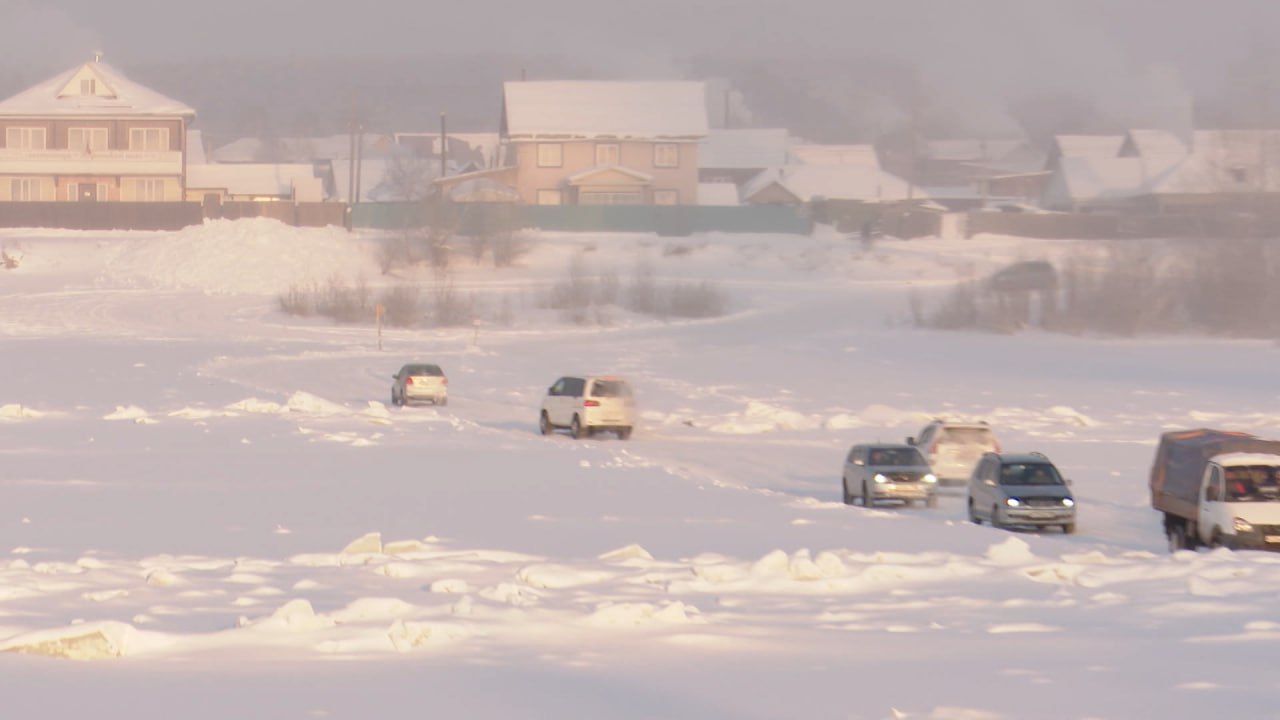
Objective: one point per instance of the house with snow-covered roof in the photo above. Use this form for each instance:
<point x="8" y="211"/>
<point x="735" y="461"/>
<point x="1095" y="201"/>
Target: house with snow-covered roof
<point x="92" y="134"/>
<point x="602" y="143"/>
<point x="736" y="155"/>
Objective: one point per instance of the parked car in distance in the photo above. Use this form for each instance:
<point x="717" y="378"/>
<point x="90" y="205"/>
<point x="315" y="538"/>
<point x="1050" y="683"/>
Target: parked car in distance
<point x="587" y="405"/>
<point x="952" y="449"/>
<point x="888" y="472"/>
<point x="1020" y="489"/>
<point x="418" y="382"/>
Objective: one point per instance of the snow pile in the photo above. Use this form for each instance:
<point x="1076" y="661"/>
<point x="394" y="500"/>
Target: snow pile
<point x="251" y="256"/>
<point x="14" y="411"/>
<point x="131" y="412"/>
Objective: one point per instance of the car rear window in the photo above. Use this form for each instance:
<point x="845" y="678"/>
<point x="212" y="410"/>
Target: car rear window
<point x="610" y="389"/>
<point x="967" y="436"/>
<point x="902" y="457"/>
<point x="433" y="370"/>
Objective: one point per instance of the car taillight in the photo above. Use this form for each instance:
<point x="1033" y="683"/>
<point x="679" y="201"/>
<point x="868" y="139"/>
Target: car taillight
<point x="408" y="381"/>
<point x="996" y="443"/>
<point x="444" y="380"/>
<point x="590" y="403"/>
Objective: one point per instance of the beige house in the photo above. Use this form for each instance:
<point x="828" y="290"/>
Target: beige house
<point x="602" y="143"/>
<point x="90" y="134"/>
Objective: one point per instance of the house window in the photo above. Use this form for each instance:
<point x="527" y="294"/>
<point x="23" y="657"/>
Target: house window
<point x="24" y="138"/>
<point x="149" y="139"/>
<point x="148" y="190"/>
<point x="666" y="197"/>
<point x="550" y="197"/>
<point x="666" y="155"/>
<point x="25" y="190"/>
<point x="93" y="139"/>
<point x="88" y="87"/>
<point x="610" y="198"/>
<point x="608" y="154"/>
<point x="550" y="155"/>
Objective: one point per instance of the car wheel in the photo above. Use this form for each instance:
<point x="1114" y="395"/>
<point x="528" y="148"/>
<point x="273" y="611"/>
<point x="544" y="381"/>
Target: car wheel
<point x="1069" y="528"/>
<point x="867" y="501"/>
<point x="576" y="429"/>
<point x="973" y="515"/>
<point x="624" y="433"/>
<point x="995" y="517"/>
<point x="1178" y="538"/>
<point x="544" y="423"/>
<point x="1215" y="540"/>
<point x="844" y="491"/>
<point x="395" y="399"/>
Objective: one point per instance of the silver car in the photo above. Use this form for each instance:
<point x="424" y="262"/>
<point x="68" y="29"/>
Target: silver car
<point x="888" y="472"/>
<point x="420" y="381"/>
<point x="1020" y="489"/>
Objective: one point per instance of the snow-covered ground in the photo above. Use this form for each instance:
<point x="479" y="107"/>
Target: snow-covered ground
<point x="208" y="509"/>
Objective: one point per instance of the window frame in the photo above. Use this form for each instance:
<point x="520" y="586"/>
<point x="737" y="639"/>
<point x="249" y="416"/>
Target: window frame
<point x="92" y="134"/>
<point x="659" y="152"/>
<point x="145" y="189"/>
<point x="546" y="161"/>
<point x="610" y="148"/>
<point x="21" y="189"/>
<point x="164" y="144"/>
<point x="25" y="135"/>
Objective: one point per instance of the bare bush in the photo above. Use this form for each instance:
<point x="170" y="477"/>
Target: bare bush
<point x="509" y="247"/>
<point x="401" y="306"/>
<point x="9" y="259"/>
<point x="450" y="308"/>
<point x="695" y="300"/>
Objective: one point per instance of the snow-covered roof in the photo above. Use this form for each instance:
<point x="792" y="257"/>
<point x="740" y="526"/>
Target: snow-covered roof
<point x="259" y="179"/>
<point x="302" y="149"/>
<point x="580" y="178"/>
<point x="744" y="149"/>
<point x="1090" y="145"/>
<point x="596" y="109"/>
<point x="1083" y="179"/>
<point x="1152" y="144"/>
<point x="860" y="155"/>
<point x="834" y="182"/>
<point x="718" y="193"/>
<point x="1225" y="161"/>
<point x="93" y="88"/>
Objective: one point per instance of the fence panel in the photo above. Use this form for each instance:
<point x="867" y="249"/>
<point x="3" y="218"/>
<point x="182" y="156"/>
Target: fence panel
<point x="101" y="215"/>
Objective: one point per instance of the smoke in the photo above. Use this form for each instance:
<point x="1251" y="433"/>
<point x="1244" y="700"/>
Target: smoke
<point x="42" y="39"/>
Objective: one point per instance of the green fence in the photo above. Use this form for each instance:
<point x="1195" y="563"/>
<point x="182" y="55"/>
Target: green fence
<point x="476" y="218"/>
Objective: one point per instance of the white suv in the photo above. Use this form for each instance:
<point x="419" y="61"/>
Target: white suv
<point x="952" y="449"/>
<point x="586" y="405"/>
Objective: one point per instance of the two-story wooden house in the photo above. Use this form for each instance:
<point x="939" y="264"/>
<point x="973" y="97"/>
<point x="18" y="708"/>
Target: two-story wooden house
<point x="603" y="143"/>
<point x="91" y="134"/>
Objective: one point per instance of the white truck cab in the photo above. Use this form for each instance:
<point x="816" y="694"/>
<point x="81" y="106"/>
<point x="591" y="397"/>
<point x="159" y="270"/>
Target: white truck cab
<point x="1240" y="501"/>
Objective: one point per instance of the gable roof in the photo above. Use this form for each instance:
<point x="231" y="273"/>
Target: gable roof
<point x="1093" y="145"/>
<point x="859" y="155"/>
<point x="834" y="182"/>
<point x="744" y="148"/>
<point x="583" y="110"/>
<point x="1152" y="144"/>
<point x="260" y="179"/>
<point x="106" y="92"/>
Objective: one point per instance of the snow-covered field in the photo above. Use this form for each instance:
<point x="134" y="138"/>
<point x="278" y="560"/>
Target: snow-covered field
<point x="208" y="509"/>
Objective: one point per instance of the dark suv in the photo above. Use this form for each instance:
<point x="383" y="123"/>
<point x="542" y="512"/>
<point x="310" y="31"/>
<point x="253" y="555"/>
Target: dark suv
<point x="1020" y="489"/>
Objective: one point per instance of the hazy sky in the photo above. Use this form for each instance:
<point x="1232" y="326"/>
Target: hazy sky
<point x="1125" y="52"/>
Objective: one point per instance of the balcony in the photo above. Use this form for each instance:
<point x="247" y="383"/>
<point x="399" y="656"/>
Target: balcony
<point x="81" y="162"/>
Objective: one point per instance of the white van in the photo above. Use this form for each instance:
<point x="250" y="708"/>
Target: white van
<point x="586" y="405"/>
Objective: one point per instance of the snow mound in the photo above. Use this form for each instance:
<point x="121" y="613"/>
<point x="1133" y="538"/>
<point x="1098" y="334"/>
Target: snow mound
<point x="87" y="641"/>
<point x="254" y="405"/>
<point x="369" y="544"/>
<point x="640" y="614"/>
<point x="1070" y="417"/>
<point x="1013" y="551"/>
<point x="630" y="552"/>
<point x="249" y="256"/>
<point x="14" y="411"/>
<point x="130" y="412"/>
<point x="296" y="616"/>
<point x="555" y="577"/>
<point x="304" y="402"/>
<point x="761" y="417"/>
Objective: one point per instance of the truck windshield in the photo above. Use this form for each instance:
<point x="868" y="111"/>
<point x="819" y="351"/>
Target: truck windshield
<point x="1029" y="474"/>
<point x="1256" y="483"/>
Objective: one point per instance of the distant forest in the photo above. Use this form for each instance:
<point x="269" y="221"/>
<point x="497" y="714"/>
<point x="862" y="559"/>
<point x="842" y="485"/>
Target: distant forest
<point x="848" y="99"/>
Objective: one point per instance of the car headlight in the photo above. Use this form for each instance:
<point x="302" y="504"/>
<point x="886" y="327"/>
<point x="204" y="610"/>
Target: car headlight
<point x="930" y="478"/>
<point x="1012" y="502"/>
<point x="1241" y="525"/>
<point x="1068" y="502"/>
<point x="880" y="479"/>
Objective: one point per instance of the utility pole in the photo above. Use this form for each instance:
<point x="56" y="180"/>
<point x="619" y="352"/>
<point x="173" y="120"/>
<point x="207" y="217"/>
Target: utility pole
<point x="351" y="164"/>
<point x="444" y="148"/>
<point x="359" y="160"/>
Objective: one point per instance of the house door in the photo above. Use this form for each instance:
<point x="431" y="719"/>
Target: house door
<point x="90" y="192"/>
